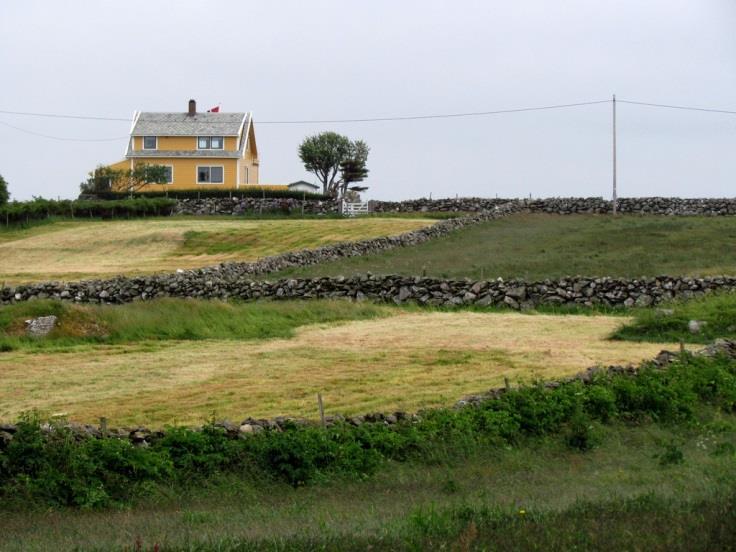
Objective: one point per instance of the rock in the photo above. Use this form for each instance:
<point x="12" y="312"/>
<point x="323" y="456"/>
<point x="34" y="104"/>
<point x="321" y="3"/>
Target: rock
<point x="695" y="326"/>
<point x="518" y="292"/>
<point x="41" y="326"/>
<point x="511" y="302"/>
<point x="644" y="300"/>
<point x="249" y="429"/>
<point x="404" y="294"/>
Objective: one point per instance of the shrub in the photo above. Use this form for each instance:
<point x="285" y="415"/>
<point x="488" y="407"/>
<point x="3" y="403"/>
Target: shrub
<point x="4" y="194"/>
<point x="582" y="433"/>
<point x="39" y="208"/>
<point x="253" y="192"/>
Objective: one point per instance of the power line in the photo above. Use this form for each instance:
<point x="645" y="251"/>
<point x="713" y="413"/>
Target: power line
<point x="62" y="138"/>
<point x="336" y="121"/>
<point x="437" y="116"/>
<point x="685" y="107"/>
<point x="59" y="116"/>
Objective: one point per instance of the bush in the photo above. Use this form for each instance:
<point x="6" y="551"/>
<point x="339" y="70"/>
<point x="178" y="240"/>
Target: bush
<point x="4" y="194"/>
<point x="255" y="192"/>
<point x="39" y="208"/>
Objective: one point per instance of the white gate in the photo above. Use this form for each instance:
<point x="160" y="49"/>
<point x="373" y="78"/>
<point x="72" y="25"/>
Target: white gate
<point x="353" y="209"/>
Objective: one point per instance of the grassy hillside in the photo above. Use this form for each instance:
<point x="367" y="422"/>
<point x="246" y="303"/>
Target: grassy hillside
<point x="181" y="361"/>
<point x="533" y="496"/>
<point x="547" y="246"/>
<point x="69" y="250"/>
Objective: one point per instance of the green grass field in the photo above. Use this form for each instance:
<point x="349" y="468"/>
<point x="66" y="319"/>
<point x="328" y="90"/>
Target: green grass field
<point x="72" y="250"/>
<point x="657" y="474"/>
<point x="180" y="361"/>
<point x="538" y="246"/>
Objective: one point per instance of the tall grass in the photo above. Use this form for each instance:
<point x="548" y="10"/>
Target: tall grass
<point x="715" y="316"/>
<point x="173" y="319"/>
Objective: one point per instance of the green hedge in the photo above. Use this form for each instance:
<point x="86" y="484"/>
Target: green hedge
<point x="202" y="194"/>
<point x="57" y="468"/>
<point x="27" y="211"/>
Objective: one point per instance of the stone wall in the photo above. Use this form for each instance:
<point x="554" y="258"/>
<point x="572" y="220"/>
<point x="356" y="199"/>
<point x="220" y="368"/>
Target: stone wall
<point x="514" y="294"/>
<point x="251" y="205"/>
<point x="570" y="205"/>
<point x="561" y="205"/>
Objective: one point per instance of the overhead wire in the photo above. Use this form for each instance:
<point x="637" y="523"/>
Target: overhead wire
<point x="62" y="138"/>
<point x="684" y="107"/>
<point x="337" y="121"/>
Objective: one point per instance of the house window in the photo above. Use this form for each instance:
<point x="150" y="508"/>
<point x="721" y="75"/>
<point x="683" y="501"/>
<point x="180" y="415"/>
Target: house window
<point x="210" y="142"/>
<point x="149" y="142"/>
<point x="169" y="172"/>
<point x="210" y="175"/>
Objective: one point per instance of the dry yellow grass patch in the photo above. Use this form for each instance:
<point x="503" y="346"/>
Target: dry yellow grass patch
<point x="408" y="361"/>
<point x="74" y="250"/>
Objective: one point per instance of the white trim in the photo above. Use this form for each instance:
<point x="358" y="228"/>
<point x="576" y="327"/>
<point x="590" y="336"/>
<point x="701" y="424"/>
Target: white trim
<point x="209" y="141"/>
<point x="196" y="176"/>
<point x="143" y="143"/>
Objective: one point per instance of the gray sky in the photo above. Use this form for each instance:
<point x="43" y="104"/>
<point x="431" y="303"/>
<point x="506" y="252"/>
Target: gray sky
<point x="331" y="59"/>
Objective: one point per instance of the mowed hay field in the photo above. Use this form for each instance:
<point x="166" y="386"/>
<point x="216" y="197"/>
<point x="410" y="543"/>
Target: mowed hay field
<point x="75" y="250"/>
<point x="539" y="246"/>
<point x="406" y="360"/>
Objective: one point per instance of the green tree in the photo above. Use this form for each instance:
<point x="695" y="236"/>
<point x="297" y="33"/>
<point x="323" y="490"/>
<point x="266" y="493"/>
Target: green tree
<point x="353" y="168"/>
<point x="332" y="157"/>
<point x="102" y="179"/>
<point x="4" y="194"/>
<point x="107" y="179"/>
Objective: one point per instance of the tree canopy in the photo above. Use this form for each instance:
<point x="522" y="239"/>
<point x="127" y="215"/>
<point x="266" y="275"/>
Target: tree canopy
<point x="4" y="194"/>
<point x="335" y="160"/>
<point x="106" y="179"/>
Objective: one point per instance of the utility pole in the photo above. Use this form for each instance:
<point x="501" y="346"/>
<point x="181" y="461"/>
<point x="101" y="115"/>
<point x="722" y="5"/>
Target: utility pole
<point x="614" y="155"/>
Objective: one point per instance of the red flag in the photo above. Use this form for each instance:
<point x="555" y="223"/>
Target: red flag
<point x="215" y="109"/>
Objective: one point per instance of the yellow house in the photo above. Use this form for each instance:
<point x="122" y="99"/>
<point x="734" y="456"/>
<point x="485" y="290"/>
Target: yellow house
<point x="200" y="150"/>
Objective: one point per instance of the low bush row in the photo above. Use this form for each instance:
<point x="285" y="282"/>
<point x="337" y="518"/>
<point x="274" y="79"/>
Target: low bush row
<point x="52" y="465"/>
<point x="39" y="208"/>
<point x="252" y="191"/>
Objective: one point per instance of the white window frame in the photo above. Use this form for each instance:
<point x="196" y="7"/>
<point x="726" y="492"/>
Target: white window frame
<point x="209" y="145"/>
<point x="143" y="140"/>
<point x="210" y="167"/>
<point x="222" y="143"/>
<point x="171" y="167"/>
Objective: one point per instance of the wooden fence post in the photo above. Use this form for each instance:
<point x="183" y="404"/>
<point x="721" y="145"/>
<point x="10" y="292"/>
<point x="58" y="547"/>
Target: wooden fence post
<point x="103" y="426"/>
<point x="321" y="410"/>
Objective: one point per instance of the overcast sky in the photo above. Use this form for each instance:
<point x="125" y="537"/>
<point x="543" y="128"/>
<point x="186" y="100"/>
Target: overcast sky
<point x="336" y="59"/>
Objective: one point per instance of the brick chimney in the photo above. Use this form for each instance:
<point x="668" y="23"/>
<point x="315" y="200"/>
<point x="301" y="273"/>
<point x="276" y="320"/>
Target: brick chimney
<point x="192" y="108"/>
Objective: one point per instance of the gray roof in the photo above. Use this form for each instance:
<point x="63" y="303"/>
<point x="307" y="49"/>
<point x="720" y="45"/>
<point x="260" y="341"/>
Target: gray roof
<point x="185" y="153"/>
<point x="303" y="183"/>
<point x="182" y="124"/>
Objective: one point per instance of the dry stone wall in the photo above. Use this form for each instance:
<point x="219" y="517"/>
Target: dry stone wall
<point x="570" y="205"/>
<point x="514" y="294"/>
<point x="561" y="205"/>
<point x="251" y="205"/>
